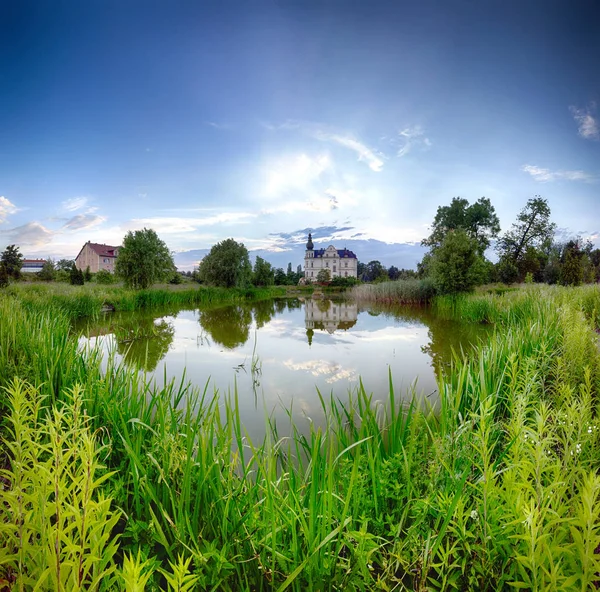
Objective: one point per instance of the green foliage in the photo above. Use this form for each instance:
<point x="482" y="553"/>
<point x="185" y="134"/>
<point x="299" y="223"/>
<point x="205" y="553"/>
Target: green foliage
<point x="48" y="271"/>
<point x="263" y="274"/>
<point x="456" y="265"/>
<point x="176" y="279"/>
<point x="478" y="220"/>
<point x="532" y="229"/>
<point x="324" y="276"/>
<point x="572" y="271"/>
<point x="344" y="282"/>
<point x="56" y="526"/>
<point x="76" y="277"/>
<point x="12" y="261"/>
<point x="65" y="264"/>
<point x="373" y="271"/>
<point x="411" y="291"/>
<point x="226" y="265"/>
<point x="4" y="281"/>
<point x="87" y="274"/>
<point x="144" y="259"/>
<point x="104" y="277"/>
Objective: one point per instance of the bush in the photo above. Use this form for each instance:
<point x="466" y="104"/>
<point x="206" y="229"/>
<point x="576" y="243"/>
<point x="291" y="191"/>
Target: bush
<point x="176" y="279"/>
<point x="104" y="277"/>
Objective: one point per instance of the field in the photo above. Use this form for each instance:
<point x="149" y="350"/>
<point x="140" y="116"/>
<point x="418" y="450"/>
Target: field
<point x="109" y="483"/>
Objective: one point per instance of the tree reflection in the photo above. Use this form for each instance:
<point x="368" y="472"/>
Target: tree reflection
<point x="229" y="326"/>
<point x="144" y="344"/>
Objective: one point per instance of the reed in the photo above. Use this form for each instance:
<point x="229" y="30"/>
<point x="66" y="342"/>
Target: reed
<point x="398" y="292"/>
<point x="498" y="488"/>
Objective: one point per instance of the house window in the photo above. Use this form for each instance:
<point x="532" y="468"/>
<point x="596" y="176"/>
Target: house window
<point x="346" y="273"/>
<point x="334" y="268"/>
<point x="311" y="263"/>
<point x="346" y="263"/>
<point x="326" y="263"/>
<point x="105" y="260"/>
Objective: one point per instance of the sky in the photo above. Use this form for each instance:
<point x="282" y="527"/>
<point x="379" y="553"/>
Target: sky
<point x="263" y="121"/>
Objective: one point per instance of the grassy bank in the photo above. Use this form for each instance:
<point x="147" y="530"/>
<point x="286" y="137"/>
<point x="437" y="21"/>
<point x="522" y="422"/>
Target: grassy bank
<point x="398" y="292"/>
<point x="89" y="300"/>
<point x="112" y="484"/>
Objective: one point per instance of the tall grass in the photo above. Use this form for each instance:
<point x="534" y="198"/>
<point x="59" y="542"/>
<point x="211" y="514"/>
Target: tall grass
<point x="498" y="489"/>
<point x="399" y="292"/>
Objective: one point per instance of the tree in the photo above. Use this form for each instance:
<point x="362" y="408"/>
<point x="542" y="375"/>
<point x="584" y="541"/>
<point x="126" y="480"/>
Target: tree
<point x="76" y="277"/>
<point x="144" y="259"/>
<point x="571" y="273"/>
<point x="323" y="276"/>
<point x="64" y="264"/>
<point x="393" y="272"/>
<point x="532" y="229"/>
<point x="227" y="265"/>
<point x="12" y="261"/>
<point x="280" y="277"/>
<point x="478" y="220"/>
<point x="87" y="274"/>
<point x="457" y="265"/>
<point x="48" y="271"/>
<point x="263" y="274"/>
<point x="374" y="271"/>
<point x="3" y="277"/>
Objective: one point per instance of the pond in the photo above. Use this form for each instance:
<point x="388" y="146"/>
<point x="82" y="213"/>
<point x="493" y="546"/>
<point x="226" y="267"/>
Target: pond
<point x="277" y="353"/>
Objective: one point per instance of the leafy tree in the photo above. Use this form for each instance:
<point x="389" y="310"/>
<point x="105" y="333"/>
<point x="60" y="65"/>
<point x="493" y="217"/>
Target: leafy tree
<point x="12" y="261"/>
<point x="87" y="274"/>
<point x="280" y="277"/>
<point x="532" y="229"/>
<point x="227" y="265"/>
<point x="571" y="273"/>
<point x="76" y="277"/>
<point x="457" y="265"/>
<point x="48" y="271"/>
<point x="144" y="259"/>
<point x="263" y="274"/>
<point x="506" y="271"/>
<point x="64" y="264"/>
<point x="323" y="276"/>
<point x="176" y="279"/>
<point x="478" y="220"/>
<point x="393" y="273"/>
<point x="3" y="277"/>
<point x="374" y="271"/>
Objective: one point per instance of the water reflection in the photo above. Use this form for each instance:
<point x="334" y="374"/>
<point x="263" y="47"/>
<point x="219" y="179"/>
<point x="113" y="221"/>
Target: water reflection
<point x="346" y="342"/>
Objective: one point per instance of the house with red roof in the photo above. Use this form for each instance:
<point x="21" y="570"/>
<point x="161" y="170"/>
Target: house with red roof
<point x="97" y="256"/>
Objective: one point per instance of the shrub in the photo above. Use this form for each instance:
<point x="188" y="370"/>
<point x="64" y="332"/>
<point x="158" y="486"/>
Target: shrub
<point x="104" y="277"/>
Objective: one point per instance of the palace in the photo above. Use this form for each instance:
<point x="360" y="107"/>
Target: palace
<point x="339" y="262"/>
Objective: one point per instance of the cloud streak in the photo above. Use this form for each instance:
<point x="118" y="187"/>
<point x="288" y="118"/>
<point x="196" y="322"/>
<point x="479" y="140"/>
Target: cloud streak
<point x="82" y="221"/>
<point x="411" y="137"/>
<point x="6" y="208"/>
<point x="74" y="204"/>
<point x="587" y="125"/>
<point x="32" y="234"/>
<point x="546" y="175"/>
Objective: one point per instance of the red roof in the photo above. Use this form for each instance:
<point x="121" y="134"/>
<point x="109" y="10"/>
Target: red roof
<point x="34" y="261"/>
<point x="103" y="250"/>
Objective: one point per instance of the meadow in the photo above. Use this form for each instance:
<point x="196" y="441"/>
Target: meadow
<point x="110" y="483"/>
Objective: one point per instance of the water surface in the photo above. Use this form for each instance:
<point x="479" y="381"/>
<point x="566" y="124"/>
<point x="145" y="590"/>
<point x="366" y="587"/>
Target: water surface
<point x="277" y="353"/>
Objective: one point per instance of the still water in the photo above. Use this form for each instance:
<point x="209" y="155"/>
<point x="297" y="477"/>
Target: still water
<point x="277" y="353"/>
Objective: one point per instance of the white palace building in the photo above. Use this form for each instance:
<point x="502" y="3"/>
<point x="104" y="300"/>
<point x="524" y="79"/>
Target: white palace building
<point x="339" y="262"/>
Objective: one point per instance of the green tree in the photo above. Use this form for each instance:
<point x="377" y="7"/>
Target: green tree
<point x="457" y="265"/>
<point x="227" y="265"/>
<point x="87" y="274"/>
<point x="280" y="277"/>
<point x="532" y="229"/>
<point x="65" y="264"/>
<point x="323" y="276"/>
<point x="478" y="220"/>
<point x="48" y="271"/>
<point x="572" y="271"/>
<point x="12" y="261"/>
<point x="104" y="277"/>
<point x="76" y="277"/>
<point x="144" y="259"/>
<point x="3" y="277"/>
<point x="263" y="274"/>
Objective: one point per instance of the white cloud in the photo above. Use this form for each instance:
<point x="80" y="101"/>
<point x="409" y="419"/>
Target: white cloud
<point x="30" y="234"/>
<point x="174" y="224"/>
<point x="294" y="173"/>
<point x="544" y="175"/>
<point x="411" y="137"/>
<point x="588" y="125"/>
<point x="82" y="221"/>
<point x="365" y="154"/>
<point x="6" y="208"/>
<point x="74" y="204"/>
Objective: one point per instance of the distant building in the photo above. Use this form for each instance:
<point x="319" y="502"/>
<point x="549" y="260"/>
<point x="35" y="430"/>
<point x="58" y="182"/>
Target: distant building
<point x="339" y="262"/>
<point x="33" y="265"/>
<point x="97" y="257"/>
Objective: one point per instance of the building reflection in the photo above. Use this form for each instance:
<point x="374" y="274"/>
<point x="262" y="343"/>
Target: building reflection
<point x="328" y="315"/>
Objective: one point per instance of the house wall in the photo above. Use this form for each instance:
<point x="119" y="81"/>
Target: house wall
<point x="89" y="257"/>
<point x="337" y="266"/>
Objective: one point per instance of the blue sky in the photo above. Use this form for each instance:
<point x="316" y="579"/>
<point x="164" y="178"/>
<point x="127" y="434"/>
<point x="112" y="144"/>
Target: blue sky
<point x="259" y="120"/>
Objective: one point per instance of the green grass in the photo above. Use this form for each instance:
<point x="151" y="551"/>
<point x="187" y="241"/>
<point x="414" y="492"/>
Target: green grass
<point x="497" y="489"/>
<point x="397" y="292"/>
